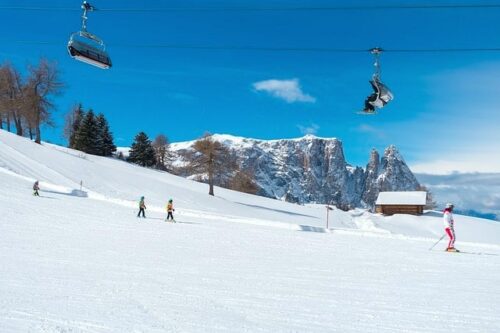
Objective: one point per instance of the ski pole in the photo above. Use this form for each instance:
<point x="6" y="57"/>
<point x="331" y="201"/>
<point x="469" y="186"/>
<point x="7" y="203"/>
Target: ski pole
<point x="437" y="242"/>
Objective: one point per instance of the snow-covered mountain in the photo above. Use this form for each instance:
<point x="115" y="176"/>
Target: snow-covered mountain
<point x="314" y="170"/>
<point x="79" y="260"/>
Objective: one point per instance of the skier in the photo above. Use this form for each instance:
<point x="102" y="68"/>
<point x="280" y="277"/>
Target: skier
<point x="449" y="227"/>
<point x="36" y="187"/>
<point x="170" y="210"/>
<point x="142" y="207"/>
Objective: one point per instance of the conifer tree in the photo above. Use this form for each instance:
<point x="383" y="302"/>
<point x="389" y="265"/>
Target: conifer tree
<point x="142" y="151"/>
<point x="73" y="121"/>
<point x="104" y="137"/>
<point x="86" y="138"/>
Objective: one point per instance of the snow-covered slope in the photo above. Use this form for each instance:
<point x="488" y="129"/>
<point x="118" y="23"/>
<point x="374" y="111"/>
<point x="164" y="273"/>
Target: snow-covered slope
<point x="80" y="261"/>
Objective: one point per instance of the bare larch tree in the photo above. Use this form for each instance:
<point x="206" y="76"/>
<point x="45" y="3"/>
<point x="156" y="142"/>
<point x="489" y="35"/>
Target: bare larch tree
<point x="211" y="158"/>
<point x="162" y="153"/>
<point x="11" y="97"/>
<point x="244" y="181"/>
<point x="43" y="82"/>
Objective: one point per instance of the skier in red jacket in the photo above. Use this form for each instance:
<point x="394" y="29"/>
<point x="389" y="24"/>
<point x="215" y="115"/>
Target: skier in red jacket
<point x="449" y="227"/>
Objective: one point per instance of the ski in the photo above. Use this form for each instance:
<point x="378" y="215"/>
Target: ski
<point x="480" y="253"/>
<point x="473" y="253"/>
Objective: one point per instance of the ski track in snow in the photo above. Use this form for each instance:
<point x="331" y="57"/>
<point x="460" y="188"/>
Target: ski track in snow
<point x="72" y="263"/>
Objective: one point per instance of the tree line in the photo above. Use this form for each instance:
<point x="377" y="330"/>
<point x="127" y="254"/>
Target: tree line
<point x="26" y="106"/>
<point x="25" y="102"/>
<point x="88" y="132"/>
<point x="210" y="160"/>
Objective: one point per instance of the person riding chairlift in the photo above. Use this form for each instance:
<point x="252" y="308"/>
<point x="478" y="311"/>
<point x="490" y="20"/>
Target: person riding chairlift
<point x="380" y="96"/>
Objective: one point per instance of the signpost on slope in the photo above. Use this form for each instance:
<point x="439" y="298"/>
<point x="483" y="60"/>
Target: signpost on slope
<point x="328" y="209"/>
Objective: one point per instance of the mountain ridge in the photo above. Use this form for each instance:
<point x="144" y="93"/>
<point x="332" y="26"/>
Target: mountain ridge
<point x="312" y="169"/>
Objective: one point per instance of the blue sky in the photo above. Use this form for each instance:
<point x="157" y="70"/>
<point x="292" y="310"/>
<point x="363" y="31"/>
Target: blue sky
<point x="445" y="115"/>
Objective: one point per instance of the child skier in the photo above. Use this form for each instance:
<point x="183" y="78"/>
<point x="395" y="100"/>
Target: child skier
<point x="36" y="187"/>
<point x="142" y="207"/>
<point x="170" y="210"/>
<point x="449" y="227"/>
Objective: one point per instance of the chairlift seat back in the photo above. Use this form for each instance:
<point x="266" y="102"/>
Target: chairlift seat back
<point x="89" y="50"/>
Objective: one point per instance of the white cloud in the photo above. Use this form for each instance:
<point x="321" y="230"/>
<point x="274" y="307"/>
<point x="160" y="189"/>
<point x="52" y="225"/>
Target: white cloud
<point x="364" y="128"/>
<point x="465" y="161"/>
<point x="312" y="129"/>
<point x="468" y="191"/>
<point x="288" y="90"/>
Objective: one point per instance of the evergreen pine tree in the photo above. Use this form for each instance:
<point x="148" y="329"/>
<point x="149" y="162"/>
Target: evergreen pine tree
<point x="105" y="137"/>
<point x="86" y="138"/>
<point x="142" y="151"/>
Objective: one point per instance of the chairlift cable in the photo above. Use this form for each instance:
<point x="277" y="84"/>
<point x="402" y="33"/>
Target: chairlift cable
<point x="266" y="8"/>
<point x="303" y="49"/>
<point x="269" y="49"/>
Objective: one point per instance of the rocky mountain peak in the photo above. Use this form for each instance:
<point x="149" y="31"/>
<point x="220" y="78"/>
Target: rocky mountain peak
<point x="392" y="153"/>
<point x="373" y="162"/>
<point x="396" y="176"/>
<point x="314" y="170"/>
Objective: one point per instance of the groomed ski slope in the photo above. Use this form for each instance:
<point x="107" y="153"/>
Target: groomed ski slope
<point x="74" y="261"/>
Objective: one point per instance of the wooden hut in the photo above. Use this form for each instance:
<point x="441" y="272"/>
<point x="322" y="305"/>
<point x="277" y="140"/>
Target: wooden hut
<point x="410" y="202"/>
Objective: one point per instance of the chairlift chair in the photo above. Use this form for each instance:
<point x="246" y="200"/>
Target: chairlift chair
<point x="381" y="93"/>
<point x="84" y="51"/>
<point x="87" y="47"/>
<point x="384" y="92"/>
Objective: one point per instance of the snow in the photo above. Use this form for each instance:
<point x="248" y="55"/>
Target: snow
<point x="402" y="198"/>
<point x="125" y="151"/>
<point x="233" y="263"/>
<point x="242" y="142"/>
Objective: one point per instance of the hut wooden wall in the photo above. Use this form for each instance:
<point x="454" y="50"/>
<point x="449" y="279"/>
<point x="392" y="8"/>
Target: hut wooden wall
<point x="400" y="209"/>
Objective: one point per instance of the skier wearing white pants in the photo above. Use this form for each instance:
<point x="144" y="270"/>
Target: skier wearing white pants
<point x="449" y="227"/>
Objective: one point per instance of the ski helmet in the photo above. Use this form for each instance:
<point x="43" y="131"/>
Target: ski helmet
<point x="449" y="205"/>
